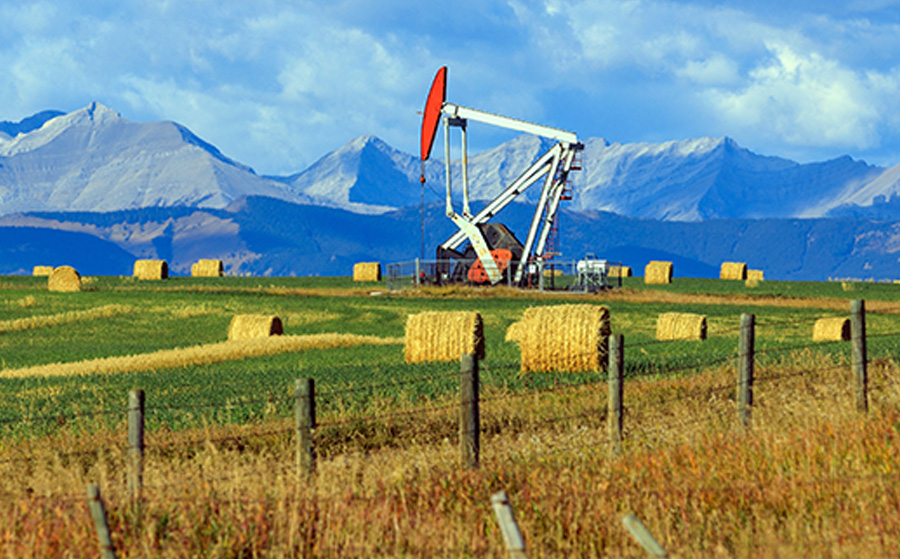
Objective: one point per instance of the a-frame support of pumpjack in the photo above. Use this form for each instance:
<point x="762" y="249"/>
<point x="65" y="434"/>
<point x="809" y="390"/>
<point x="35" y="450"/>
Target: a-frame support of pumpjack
<point x="499" y="254"/>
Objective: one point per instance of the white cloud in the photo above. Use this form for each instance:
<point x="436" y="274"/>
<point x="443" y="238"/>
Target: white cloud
<point x="803" y="99"/>
<point x="276" y="84"/>
<point x="717" y="70"/>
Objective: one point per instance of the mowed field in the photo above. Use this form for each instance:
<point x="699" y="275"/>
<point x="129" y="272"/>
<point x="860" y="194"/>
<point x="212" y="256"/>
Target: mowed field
<point x="810" y="475"/>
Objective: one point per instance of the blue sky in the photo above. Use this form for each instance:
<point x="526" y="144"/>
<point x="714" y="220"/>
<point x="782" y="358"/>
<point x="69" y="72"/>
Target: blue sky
<point x="278" y="84"/>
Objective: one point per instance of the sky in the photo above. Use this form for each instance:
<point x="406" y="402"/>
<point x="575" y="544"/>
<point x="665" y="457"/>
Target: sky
<point x="278" y="84"/>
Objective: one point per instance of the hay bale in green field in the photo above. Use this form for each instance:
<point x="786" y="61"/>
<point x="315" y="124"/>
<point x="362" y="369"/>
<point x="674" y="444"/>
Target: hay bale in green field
<point x="64" y="279"/>
<point x="658" y="272"/>
<point x="835" y="329"/>
<point x="443" y="336"/>
<point x="565" y="338"/>
<point x="151" y="269"/>
<point x="367" y="271"/>
<point x="616" y="271"/>
<point x="733" y="271"/>
<point x="680" y="326"/>
<point x="249" y="326"/>
<point x="207" y="268"/>
<point x="514" y="332"/>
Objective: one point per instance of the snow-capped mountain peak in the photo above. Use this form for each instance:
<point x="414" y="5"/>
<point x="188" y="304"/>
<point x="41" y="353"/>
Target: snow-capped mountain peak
<point x="95" y="114"/>
<point x="93" y="159"/>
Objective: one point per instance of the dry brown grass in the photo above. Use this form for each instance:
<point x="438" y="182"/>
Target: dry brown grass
<point x="46" y="321"/>
<point x="809" y="477"/>
<point x="26" y="302"/>
<point x="198" y="355"/>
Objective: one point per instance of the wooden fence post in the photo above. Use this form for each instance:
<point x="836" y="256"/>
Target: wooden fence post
<point x="860" y="358"/>
<point x="643" y="536"/>
<point x="616" y="386"/>
<point x="469" y="416"/>
<point x="515" y="544"/>
<point x="135" y="442"/>
<point x="305" y="421"/>
<point x="98" y="513"/>
<point x="745" y="367"/>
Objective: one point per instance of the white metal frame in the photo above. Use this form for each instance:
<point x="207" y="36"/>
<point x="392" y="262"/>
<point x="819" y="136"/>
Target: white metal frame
<point x="555" y="165"/>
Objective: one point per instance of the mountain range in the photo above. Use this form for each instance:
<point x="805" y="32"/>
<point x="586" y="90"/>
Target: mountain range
<point x="157" y="190"/>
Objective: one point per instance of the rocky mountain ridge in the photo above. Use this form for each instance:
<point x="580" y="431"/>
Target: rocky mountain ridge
<point x="94" y="160"/>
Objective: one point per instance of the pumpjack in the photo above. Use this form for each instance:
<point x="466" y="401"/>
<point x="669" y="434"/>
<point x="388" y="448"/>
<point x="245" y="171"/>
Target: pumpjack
<point x="493" y="253"/>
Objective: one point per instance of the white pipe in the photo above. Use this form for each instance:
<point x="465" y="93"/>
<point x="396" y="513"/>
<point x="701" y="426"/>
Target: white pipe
<point x="450" y="211"/>
<point x="465" y="175"/>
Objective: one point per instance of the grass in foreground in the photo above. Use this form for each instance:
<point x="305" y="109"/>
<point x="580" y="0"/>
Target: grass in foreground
<point x="810" y="476"/>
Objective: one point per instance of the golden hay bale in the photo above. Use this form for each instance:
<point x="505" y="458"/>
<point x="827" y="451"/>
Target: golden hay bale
<point x="515" y="332"/>
<point x="751" y="282"/>
<point x="757" y="275"/>
<point x="733" y="271"/>
<point x="64" y="279"/>
<point x="554" y="272"/>
<point x="151" y="269"/>
<point x="207" y="268"/>
<point x="565" y="338"/>
<point x="42" y="271"/>
<point x="836" y="329"/>
<point x="619" y="272"/>
<point x="443" y="336"/>
<point x="249" y="326"/>
<point x="367" y="271"/>
<point x="680" y="326"/>
<point x="658" y="272"/>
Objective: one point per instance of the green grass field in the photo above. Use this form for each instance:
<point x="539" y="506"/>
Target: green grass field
<point x="183" y="312"/>
<point x="811" y="475"/>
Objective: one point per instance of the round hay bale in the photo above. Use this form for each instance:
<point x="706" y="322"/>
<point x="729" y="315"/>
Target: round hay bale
<point x="680" y="326"/>
<point x="64" y="279"/>
<point x="207" y="268"/>
<point x="151" y="269"/>
<point x="658" y="272"/>
<point x="515" y="332"/>
<point x="42" y="271"/>
<point x="565" y="338"/>
<point x="443" y="336"/>
<point x="367" y="271"/>
<point x="619" y="272"/>
<point x="835" y="329"/>
<point x="757" y="275"/>
<point x="249" y="326"/>
<point x="733" y="271"/>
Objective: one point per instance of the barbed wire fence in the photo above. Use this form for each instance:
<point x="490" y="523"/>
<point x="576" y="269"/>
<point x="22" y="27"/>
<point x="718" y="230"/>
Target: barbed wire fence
<point x="464" y="418"/>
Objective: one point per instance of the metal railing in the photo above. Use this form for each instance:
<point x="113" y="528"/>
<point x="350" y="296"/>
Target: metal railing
<point x="554" y="275"/>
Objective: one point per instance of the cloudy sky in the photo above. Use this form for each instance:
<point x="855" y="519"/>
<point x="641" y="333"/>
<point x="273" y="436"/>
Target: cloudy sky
<point x="277" y="84"/>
